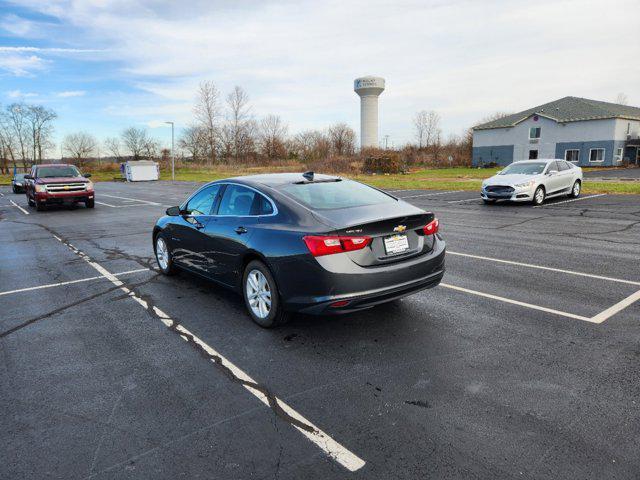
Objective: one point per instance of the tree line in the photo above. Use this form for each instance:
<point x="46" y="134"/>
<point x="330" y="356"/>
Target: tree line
<point x="223" y="131"/>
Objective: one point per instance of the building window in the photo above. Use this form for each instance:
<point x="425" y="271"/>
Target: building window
<point x="618" y="156"/>
<point x="533" y="154"/>
<point x="572" y="155"/>
<point x="534" y="133"/>
<point x="629" y="128"/>
<point x="596" y="155"/>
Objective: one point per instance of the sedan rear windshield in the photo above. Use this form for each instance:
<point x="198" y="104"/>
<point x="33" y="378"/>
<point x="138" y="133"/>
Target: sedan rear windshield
<point x="332" y="195"/>
<point x="534" y="168"/>
<point x="50" y="172"/>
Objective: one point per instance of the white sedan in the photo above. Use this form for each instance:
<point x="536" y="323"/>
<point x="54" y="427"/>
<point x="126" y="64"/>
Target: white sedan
<point x="533" y="181"/>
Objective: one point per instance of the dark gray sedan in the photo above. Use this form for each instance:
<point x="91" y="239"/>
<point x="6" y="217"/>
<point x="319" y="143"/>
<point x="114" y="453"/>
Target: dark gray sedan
<point x="302" y="243"/>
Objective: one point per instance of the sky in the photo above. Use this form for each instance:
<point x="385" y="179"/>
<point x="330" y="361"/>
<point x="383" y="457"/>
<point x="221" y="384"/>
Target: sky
<point x="104" y="65"/>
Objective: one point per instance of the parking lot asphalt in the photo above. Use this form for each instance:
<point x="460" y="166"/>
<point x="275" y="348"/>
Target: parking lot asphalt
<point x="524" y="363"/>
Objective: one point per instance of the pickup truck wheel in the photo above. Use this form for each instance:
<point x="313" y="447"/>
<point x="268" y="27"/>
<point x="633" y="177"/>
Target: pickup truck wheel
<point x="163" y="256"/>
<point x="90" y="203"/>
<point x="30" y="202"/>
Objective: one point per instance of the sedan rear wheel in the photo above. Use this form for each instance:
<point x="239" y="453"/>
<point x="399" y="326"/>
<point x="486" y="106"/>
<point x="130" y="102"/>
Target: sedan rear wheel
<point x="261" y="296"/>
<point x="538" y="197"/>
<point x="575" y="191"/>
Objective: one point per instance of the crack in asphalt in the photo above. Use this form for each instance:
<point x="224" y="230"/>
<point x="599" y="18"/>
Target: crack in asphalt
<point x="131" y="290"/>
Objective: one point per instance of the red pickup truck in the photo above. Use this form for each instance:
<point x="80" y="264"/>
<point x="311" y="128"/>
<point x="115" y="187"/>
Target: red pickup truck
<point x="58" y="184"/>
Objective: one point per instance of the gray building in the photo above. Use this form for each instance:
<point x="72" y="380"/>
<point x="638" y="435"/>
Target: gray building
<point x="586" y="132"/>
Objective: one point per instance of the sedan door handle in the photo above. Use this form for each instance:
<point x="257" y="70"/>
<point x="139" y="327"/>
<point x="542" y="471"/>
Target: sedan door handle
<point x="241" y="230"/>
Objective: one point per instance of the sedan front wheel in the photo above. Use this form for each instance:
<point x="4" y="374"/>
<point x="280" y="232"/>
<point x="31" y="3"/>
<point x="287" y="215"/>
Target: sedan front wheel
<point x="163" y="256"/>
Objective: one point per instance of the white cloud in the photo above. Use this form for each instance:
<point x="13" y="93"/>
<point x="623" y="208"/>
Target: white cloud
<point x="21" y="65"/>
<point x="298" y="59"/>
<point x="20" y="94"/>
<point x="71" y="93"/>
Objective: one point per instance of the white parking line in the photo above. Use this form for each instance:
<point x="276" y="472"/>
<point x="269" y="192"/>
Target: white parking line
<point x="19" y="207"/>
<point x="569" y="201"/>
<point x="540" y="267"/>
<point x="431" y="194"/>
<point x="128" y="198"/>
<point x="106" y="204"/>
<point x="516" y="302"/>
<point x="609" y="312"/>
<point x="70" y="282"/>
<point x="322" y="440"/>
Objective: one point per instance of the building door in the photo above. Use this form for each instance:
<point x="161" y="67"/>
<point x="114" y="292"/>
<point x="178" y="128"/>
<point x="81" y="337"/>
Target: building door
<point x="637" y="155"/>
<point x="533" y="154"/>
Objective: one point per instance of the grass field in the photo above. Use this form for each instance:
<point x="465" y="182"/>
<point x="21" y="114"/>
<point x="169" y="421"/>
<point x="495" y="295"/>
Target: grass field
<point x="461" y="178"/>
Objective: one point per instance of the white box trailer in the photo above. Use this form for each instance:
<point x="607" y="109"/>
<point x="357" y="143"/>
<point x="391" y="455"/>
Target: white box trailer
<point x="140" y="170"/>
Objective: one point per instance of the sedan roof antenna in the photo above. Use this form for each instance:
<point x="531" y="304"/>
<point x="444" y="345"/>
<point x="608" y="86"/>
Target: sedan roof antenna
<point x="308" y="175"/>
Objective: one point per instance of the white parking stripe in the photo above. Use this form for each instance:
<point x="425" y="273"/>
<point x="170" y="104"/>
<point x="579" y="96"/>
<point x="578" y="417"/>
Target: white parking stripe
<point x="19" y="207"/>
<point x="609" y="312"/>
<point x="540" y="267"/>
<point x="333" y="449"/>
<point x="431" y="194"/>
<point x="516" y="302"/>
<point x="106" y="204"/>
<point x="128" y="198"/>
<point x="70" y="282"/>
<point x="569" y="201"/>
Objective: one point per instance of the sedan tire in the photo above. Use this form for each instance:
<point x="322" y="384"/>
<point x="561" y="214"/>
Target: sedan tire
<point x="261" y="296"/>
<point x="575" y="190"/>
<point x="539" y="195"/>
<point x="163" y="256"/>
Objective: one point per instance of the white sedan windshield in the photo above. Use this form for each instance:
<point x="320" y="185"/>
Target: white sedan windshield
<point x="535" y="168"/>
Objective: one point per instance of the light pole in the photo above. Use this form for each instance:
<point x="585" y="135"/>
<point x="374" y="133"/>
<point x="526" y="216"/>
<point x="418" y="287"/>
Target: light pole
<point x="173" y="163"/>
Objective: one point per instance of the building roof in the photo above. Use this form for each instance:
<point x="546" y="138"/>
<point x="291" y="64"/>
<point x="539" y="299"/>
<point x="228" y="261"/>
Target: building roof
<point x="567" y="109"/>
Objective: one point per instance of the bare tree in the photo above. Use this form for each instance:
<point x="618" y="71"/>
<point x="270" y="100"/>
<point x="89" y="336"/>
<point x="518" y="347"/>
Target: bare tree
<point x="113" y="146"/>
<point x="135" y="140"/>
<point x="622" y="99"/>
<point x="207" y="112"/>
<point x="194" y="141"/>
<point x="239" y="124"/>
<point x="342" y="138"/>
<point x="79" y="146"/>
<point x="427" y="124"/>
<point x="151" y="148"/>
<point x="17" y="131"/>
<point x="272" y="136"/>
<point x="311" y="145"/>
<point x="40" y="121"/>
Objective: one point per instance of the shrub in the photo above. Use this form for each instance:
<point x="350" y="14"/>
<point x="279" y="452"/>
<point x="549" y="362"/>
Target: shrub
<point x="384" y="162"/>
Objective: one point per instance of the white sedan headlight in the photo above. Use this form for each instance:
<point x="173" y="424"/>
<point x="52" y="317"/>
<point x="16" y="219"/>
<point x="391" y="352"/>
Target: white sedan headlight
<point x="530" y="183"/>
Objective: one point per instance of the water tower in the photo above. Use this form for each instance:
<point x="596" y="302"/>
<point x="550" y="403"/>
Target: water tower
<point x="369" y="89"/>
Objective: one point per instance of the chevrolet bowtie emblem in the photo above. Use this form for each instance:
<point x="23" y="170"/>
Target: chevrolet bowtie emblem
<point x="400" y="228"/>
<point x="66" y="187"/>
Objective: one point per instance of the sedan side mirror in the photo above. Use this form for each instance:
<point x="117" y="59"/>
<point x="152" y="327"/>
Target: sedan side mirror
<point x="28" y="177"/>
<point x="173" y="211"/>
<point x="87" y="175"/>
<point x="552" y="172"/>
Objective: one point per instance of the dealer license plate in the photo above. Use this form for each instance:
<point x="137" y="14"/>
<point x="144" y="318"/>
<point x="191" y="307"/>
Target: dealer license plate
<point x="396" y="244"/>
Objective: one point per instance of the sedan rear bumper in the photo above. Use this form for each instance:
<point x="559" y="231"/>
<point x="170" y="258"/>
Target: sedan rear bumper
<point x="315" y="288"/>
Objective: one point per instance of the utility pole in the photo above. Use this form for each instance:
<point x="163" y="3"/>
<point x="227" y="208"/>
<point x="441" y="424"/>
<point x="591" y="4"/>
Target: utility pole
<point x="173" y="163"/>
<point x="386" y="142"/>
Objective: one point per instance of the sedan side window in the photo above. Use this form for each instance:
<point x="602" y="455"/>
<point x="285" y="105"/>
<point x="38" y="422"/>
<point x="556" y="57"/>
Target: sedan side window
<point x="237" y="201"/>
<point x="202" y="202"/>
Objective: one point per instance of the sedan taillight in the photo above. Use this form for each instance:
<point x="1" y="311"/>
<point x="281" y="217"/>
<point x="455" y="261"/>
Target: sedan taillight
<point x="328" y="245"/>
<point x="431" y="227"/>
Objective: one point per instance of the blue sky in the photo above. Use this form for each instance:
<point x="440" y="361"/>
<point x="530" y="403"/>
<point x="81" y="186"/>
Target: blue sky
<point x="108" y="64"/>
